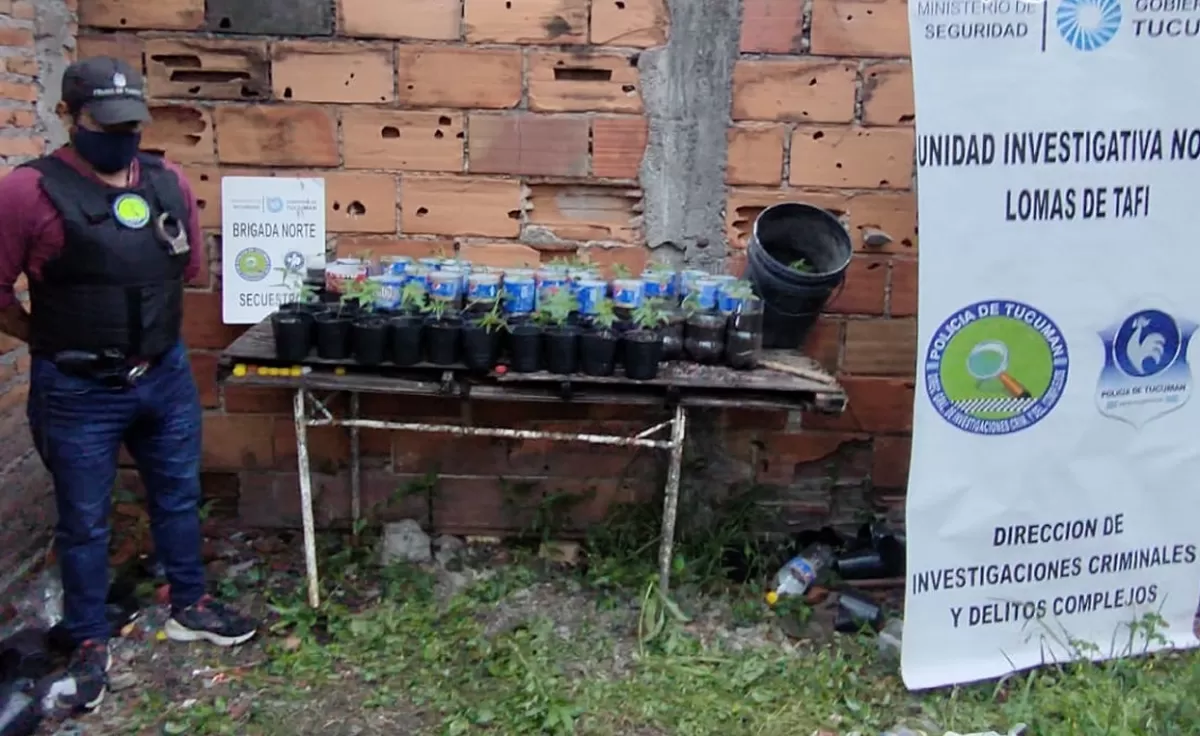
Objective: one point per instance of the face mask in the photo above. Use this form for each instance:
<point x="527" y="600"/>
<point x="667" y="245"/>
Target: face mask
<point x="106" y="152"/>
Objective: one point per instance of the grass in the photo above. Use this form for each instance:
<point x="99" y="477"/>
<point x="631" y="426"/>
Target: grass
<point x="526" y="649"/>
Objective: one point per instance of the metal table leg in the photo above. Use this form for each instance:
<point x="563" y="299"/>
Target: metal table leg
<point x="300" y="415"/>
<point x="355" y="466"/>
<point x="671" y="499"/>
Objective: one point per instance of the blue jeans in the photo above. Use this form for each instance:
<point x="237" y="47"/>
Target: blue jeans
<point x="78" y="426"/>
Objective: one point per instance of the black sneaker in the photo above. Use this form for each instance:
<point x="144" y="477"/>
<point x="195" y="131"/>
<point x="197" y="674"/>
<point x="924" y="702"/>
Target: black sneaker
<point x="87" y="677"/>
<point x="210" y="620"/>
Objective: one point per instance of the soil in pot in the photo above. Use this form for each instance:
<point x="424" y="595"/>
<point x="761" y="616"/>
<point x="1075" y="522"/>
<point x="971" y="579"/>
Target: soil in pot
<point x="293" y="335"/>
<point x="561" y="344"/>
<point x="370" y="339"/>
<point x="404" y="339"/>
<point x="441" y="340"/>
<point x="525" y="348"/>
<point x="744" y="339"/>
<point x="598" y="352"/>
<point x="480" y="347"/>
<point x="643" y="351"/>
<point x="672" y="333"/>
<point x="704" y="337"/>
<point x="333" y="335"/>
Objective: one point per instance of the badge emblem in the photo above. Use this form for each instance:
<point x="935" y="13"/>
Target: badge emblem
<point x="132" y="211"/>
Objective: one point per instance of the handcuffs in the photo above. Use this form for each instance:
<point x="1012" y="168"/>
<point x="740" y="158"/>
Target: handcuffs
<point x="177" y="242"/>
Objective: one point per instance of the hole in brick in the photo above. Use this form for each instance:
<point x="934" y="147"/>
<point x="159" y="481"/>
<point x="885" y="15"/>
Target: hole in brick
<point x="412" y="86"/>
<point x="580" y="74"/>
<point x="204" y="177"/>
<point x="122" y="21"/>
<point x="201" y="203"/>
<point x="287" y="93"/>
<point x="202" y="76"/>
<point x="337" y="206"/>
<point x="907" y="118"/>
<point x="224" y="24"/>
<point x="439" y="134"/>
<point x="849" y="17"/>
<point x="421" y="212"/>
<point x="356" y="209"/>
<point x="508" y="6"/>
<point x="444" y="120"/>
<point x="884" y="183"/>
<point x="460" y="135"/>
<point x="812" y="82"/>
<point x="186" y="61"/>
<point x="628" y="88"/>
<point x="390" y="132"/>
<point x="818" y="136"/>
<point x="620" y="5"/>
<point x="838" y="165"/>
<point x="873" y="266"/>
<point x="633" y="60"/>
<point x="514" y="214"/>
<point x="193" y="90"/>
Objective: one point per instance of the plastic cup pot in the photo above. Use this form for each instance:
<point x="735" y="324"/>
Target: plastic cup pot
<point x="483" y="287"/>
<point x="628" y="293"/>
<point x="388" y="295"/>
<point x="688" y="279"/>
<point x="395" y="265"/>
<point x="341" y="271"/>
<point x="520" y="292"/>
<point x="657" y="283"/>
<point x="590" y="293"/>
<point x="445" y="286"/>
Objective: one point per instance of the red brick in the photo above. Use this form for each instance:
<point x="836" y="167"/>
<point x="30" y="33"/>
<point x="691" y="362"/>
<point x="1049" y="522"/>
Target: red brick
<point x="887" y="94"/>
<point x="772" y="27"/>
<point x="618" y="144"/>
<point x="903" y="292"/>
<point x="875" y="405"/>
<point x="238" y="442"/>
<point x="204" y="370"/>
<point x="174" y="15"/>
<point x="500" y="255"/>
<point x="125" y="46"/>
<point x="251" y="400"/>
<point x="276" y="135"/>
<point x="864" y="289"/>
<point x="805" y="90"/>
<point x="24" y="10"/>
<point x="272" y="500"/>
<point x="324" y="71"/>
<point x="585" y="213"/>
<point x="443" y="76"/>
<point x="184" y="133"/>
<point x="206" y="185"/>
<point x="894" y="213"/>
<point x="356" y="246"/>
<point x="640" y="23"/>
<point x="788" y="457"/>
<point x="851" y="157"/>
<point x="206" y="68"/>
<point x="557" y="22"/>
<point x="583" y="82"/>
<point x="890" y="462"/>
<point x="17" y="118"/>
<point x="881" y="347"/>
<point x="328" y="447"/>
<point x="437" y="20"/>
<point x="408" y="140"/>
<point x="19" y="91"/>
<point x="202" y="325"/>
<point x="22" y="145"/>
<point x="755" y="154"/>
<point x="633" y="257"/>
<point x="824" y="343"/>
<point x="359" y="203"/>
<point x="20" y="37"/>
<point x="525" y="143"/>
<point x="444" y="205"/>
<point x="869" y="28"/>
<point x="25" y="66"/>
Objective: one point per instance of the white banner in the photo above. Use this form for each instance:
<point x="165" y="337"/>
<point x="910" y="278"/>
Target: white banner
<point x="272" y="230"/>
<point x="1052" y="504"/>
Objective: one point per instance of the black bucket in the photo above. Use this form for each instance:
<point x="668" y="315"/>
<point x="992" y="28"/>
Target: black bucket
<point x="792" y="299"/>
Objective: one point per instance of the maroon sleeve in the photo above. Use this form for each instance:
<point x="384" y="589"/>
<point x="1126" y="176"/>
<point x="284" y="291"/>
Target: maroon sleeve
<point x="21" y="222"/>
<point x="195" y="234"/>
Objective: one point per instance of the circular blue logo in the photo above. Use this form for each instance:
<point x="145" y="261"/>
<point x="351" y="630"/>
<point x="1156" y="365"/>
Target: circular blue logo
<point x="252" y="264"/>
<point x="996" y="367"/>
<point x="274" y="204"/>
<point x="1088" y="24"/>
<point x="1147" y="344"/>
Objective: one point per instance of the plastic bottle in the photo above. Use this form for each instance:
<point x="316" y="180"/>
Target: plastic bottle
<point x="801" y="572"/>
<point x="20" y="714"/>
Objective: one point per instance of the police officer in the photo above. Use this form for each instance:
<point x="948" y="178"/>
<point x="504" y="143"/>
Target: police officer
<point x="107" y="237"/>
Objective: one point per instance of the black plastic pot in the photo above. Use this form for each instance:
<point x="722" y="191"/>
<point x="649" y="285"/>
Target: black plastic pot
<point x="562" y="349"/>
<point x="704" y="337"/>
<point x="333" y="335"/>
<point x="672" y="334"/>
<point x="370" y="339"/>
<point x="404" y="339"/>
<point x="744" y="338"/>
<point x="598" y="352"/>
<point x="525" y="348"/>
<point x="481" y="347"/>
<point x="643" y="351"/>
<point x="293" y="335"/>
<point x="441" y="340"/>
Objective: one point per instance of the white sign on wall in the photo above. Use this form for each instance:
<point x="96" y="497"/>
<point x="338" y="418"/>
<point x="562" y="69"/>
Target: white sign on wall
<point x="1052" y="500"/>
<point x="272" y="230"/>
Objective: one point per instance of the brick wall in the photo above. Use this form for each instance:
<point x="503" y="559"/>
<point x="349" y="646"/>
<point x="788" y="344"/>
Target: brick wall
<point x="26" y="506"/>
<point x="513" y="132"/>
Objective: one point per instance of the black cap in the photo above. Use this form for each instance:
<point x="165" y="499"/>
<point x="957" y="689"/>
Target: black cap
<point x="111" y="90"/>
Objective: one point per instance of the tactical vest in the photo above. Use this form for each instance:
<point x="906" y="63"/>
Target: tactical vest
<point x="115" y="287"/>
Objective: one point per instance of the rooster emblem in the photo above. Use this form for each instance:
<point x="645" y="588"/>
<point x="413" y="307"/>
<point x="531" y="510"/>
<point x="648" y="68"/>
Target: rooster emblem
<point x="1143" y="347"/>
